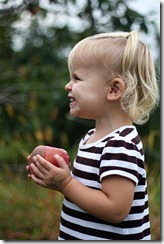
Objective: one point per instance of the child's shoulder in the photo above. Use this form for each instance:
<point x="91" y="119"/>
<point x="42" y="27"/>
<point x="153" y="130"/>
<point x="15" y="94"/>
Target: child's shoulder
<point x="127" y="137"/>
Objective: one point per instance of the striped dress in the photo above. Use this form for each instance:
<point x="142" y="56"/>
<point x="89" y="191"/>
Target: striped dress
<point x="119" y="153"/>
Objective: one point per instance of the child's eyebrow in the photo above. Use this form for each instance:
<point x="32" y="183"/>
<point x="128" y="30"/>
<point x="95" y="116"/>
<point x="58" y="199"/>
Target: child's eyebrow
<point x="74" y="74"/>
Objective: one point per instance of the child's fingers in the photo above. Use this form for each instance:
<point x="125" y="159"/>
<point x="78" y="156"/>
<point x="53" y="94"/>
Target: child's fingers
<point x="29" y="160"/>
<point x="61" y="162"/>
<point x="38" y="167"/>
<point x="28" y="167"/>
<point x="37" y="180"/>
<point x="28" y="157"/>
<point x="42" y="163"/>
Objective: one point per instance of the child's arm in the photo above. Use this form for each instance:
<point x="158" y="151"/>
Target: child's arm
<point x="111" y="204"/>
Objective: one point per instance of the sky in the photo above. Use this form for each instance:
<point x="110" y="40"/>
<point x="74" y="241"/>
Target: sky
<point x="143" y="7"/>
<point x="147" y="5"/>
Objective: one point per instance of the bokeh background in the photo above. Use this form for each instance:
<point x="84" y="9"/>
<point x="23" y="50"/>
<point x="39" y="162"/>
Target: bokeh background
<point x="35" y="40"/>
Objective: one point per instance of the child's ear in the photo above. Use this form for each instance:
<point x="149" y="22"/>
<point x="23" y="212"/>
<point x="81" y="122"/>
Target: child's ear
<point x="116" y="88"/>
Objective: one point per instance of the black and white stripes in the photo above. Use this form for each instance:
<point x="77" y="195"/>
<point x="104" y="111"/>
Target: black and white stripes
<point x="119" y="153"/>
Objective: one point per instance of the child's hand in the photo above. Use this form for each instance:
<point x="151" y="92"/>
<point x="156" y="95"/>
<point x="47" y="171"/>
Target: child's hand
<point x="43" y="173"/>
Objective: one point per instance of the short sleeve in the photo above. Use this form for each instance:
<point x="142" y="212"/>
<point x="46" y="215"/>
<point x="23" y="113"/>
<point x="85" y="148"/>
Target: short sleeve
<point x="121" y="158"/>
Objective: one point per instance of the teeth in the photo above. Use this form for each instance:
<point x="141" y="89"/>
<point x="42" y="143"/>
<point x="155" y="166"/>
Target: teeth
<point x="72" y="99"/>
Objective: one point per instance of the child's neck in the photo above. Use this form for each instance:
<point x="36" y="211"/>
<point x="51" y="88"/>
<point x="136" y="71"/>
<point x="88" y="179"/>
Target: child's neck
<point x="103" y="128"/>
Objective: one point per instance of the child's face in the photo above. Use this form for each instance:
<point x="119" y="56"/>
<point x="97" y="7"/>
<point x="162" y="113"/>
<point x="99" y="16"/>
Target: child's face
<point x="87" y="91"/>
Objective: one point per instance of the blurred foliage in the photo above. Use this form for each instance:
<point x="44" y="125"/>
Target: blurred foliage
<point x="29" y="212"/>
<point x="35" y="40"/>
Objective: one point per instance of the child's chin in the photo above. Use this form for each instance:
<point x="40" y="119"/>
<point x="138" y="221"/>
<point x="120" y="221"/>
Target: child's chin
<point x="74" y="113"/>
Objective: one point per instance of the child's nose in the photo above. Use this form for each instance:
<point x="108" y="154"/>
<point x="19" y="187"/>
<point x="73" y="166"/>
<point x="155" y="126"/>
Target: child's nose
<point x="68" y="86"/>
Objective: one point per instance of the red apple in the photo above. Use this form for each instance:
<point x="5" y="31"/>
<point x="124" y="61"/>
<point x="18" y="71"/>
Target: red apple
<point x="48" y="153"/>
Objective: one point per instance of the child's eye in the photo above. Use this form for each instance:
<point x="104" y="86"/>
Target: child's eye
<point x="77" y="78"/>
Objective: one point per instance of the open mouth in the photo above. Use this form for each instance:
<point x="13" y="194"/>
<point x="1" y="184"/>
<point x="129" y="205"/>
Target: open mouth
<point x="72" y="99"/>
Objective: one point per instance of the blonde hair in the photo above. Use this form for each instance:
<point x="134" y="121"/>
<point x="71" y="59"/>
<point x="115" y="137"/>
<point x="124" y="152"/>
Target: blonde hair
<point x="123" y="55"/>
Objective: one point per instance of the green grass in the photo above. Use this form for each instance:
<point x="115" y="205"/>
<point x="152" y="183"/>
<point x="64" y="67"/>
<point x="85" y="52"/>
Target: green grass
<point x="30" y="212"/>
<point x="27" y="211"/>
